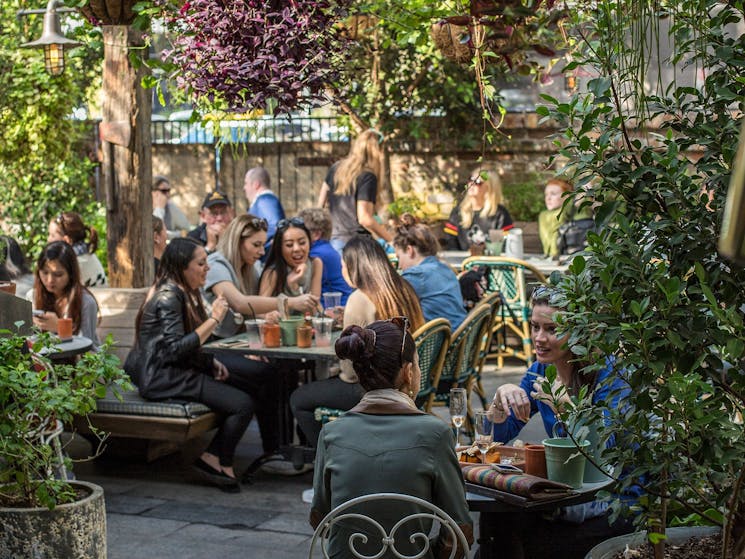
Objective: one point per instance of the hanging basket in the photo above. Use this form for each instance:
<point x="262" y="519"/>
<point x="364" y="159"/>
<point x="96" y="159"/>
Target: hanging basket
<point x="448" y="38"/>
<point x="109" y="12"/>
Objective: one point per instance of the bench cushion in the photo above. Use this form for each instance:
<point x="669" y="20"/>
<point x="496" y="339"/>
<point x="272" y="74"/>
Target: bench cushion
<point x="134" y="404"/>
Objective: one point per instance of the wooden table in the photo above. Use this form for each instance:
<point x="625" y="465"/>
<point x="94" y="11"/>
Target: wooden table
<point x="299" y="455"/>
<point x="501" y="514"/>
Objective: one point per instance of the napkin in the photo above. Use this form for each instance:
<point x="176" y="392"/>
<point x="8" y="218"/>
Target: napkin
<point x="530" y="487"/>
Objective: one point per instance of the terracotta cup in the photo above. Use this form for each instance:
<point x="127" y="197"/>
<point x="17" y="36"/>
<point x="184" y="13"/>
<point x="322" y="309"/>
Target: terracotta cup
<point x="64" y="328"/>
<point x="8" y="287"/>
<point x="535" y="460"/>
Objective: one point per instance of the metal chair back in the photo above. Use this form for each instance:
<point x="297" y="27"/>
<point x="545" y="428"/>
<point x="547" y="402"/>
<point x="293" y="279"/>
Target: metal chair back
<point x="358" y="522"/>
<point x="432" y="340"/>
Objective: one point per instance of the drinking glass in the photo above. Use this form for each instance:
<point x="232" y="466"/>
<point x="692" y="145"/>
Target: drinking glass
<point x="483" y="429"/>
<point x="458" y="408"/>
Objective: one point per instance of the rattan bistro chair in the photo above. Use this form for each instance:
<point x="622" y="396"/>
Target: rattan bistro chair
<point x="507" y="276"/>
<point x="368" y="527"/>
<point x="432" y="340"/>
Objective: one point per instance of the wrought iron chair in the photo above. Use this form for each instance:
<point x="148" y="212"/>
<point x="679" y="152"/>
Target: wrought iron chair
<point x="370" y="528"/>
<point x="507" y="276"/>
<point x="432" y="340"/>
<point x="463" y="357"/>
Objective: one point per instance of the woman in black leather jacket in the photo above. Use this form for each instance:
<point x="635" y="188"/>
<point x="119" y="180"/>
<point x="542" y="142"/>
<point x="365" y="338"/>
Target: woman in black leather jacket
<point x="168" y="362"/>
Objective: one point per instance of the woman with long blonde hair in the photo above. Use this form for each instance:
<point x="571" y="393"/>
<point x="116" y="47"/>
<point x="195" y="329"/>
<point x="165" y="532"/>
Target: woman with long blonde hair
<point x="480" y="211"/>
<point x="351" y="188"/>
<point x="379" y="293"/>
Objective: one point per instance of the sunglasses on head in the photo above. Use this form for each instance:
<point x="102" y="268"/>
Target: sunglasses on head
<point x="403" y="323"/>
<point x="257" y="224"/>
<point x="60" y="220"/>
<point x="294" y="222"/>
<point x="544" y="292"/>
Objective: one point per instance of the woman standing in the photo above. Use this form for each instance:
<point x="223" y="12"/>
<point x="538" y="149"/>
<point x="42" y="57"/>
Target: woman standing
<point x="69" y="227"/>
<point x="351" y="190"/>
<point x="168" y="361"/>
<point x="385" y="444"/>
<point x="379" y="293"/>
<point x="59" y="293"/>
<point x="480" y="211"/>
<point x="289" y="270"/>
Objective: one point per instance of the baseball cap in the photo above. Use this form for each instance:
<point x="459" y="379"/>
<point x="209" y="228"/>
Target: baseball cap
<point x="216" y="197"/>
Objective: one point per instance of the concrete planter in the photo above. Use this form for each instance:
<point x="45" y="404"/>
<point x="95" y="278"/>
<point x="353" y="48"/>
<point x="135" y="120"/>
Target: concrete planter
<point x="72" y="530"/>
<point x="609" y="548"/>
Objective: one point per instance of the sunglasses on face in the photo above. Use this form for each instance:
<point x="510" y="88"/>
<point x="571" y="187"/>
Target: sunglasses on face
<point x="256" y="224"/>
<point x="294" y="222"/>
<point x="476" y="180"/>
<point x="164" y="190"/>
<point x="403" y="323"/>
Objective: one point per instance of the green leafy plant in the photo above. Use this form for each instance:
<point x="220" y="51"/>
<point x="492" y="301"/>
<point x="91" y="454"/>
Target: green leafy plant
<point x="37" y="398"/>
<point x="652" y="289"/>
<point x="524" y="198"/>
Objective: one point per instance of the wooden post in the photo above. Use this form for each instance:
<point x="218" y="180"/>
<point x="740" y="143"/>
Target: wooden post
<point x="127" y="160"/>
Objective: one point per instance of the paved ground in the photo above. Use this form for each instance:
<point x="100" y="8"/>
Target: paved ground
<point x="161" y="510"/>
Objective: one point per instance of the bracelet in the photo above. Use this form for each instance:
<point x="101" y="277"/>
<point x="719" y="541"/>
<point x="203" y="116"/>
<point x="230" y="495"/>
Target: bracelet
<point x="217" y="322"/>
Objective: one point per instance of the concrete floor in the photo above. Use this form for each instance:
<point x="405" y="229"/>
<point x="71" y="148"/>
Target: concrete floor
<point x="161" y="510"/>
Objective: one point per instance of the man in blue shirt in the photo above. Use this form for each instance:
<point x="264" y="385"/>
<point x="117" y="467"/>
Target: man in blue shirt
<point x="263" y="202"/>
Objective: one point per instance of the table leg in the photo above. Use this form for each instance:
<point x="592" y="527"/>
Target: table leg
<point x="500" y="535"/>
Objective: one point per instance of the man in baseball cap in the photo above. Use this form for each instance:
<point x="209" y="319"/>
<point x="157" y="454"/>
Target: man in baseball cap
<point x="216" y="213"/>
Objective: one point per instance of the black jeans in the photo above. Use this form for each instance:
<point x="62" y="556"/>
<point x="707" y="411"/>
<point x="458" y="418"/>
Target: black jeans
<point x="332" y="393"/>
<point x="250" y="388"/>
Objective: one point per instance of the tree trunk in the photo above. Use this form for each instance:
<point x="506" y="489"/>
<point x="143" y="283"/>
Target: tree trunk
<point x="127" y="165"/>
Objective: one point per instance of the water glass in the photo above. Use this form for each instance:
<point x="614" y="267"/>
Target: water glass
<point x="331" y="299"/>
<point x="322" y="327"/>
<point x="254" y="333"/>
<point x="483" y="429"/>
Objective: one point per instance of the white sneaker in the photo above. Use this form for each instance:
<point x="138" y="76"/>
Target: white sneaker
<point x="308" y="495"/>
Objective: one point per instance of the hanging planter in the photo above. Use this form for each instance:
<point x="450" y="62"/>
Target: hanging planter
<point x="453" y="41"/>
<point x="109" y="12"/>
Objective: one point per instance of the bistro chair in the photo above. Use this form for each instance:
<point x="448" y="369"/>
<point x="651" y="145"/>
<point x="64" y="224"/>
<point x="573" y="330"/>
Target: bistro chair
<point x="507" y="276"/>
<point x="494" y="301"/>
<point x="463" y="357"/>
<point x="432" y="340"/>
<point x="386" y="525"/>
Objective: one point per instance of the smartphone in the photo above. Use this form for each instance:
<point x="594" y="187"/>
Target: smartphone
<point x="37" y="312"/>
<point x="506" y="469"/>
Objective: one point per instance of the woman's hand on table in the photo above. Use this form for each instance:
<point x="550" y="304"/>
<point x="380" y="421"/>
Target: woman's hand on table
<point x="306" y="303"/>
<point x="272" y="317"/>
<point x="46" y="322"/>
<point x="509" y="398"/>
<point x="219" y="371"/>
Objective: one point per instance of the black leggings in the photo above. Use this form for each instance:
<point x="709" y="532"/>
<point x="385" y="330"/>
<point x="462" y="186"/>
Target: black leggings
<point x="251" y="387"/>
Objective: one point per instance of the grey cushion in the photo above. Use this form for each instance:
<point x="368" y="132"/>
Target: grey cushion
<point x="134" y="404"/>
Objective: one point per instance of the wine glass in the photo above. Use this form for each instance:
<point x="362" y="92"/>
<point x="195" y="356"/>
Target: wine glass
<point x="458" y="406"/>
<point x="483" y="429"/>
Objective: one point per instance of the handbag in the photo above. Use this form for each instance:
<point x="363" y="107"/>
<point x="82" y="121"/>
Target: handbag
<point x="573" y="233"/>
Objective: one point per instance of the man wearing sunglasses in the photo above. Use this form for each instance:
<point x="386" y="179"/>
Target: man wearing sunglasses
<point x="163" y="207"/>
<point x="263" y="202"/>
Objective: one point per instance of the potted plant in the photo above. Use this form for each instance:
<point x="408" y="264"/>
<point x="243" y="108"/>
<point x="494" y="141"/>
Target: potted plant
<point x="41" y="511"/>
<point x="652" y="289"/>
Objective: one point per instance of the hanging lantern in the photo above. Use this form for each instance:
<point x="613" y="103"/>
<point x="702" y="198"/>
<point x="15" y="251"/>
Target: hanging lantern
<point x="53" y="41"/>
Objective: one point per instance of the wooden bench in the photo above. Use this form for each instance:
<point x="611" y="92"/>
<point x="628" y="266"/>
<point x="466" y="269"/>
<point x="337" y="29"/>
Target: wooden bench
<point x="160" y="427"/>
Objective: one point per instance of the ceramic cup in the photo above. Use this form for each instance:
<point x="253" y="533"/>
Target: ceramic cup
<point x="322" y="326"/>
<point x="271" y="335"/>
<point x="535" y="460"/>
<point x="64" y="328"/>
<point x="288" y="326"/>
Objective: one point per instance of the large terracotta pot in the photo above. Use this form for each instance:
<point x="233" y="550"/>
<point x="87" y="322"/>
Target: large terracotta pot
<point x="109" y="12"/>
<point x="72" y="530"/>
<point x="611" y="547"/>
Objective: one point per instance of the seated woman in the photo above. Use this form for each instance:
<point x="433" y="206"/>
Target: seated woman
<point x="514" y="405"/>
<point x="318" y="222"/>
<point x="379" y="293"/>
<point x="480" y="211"/>
<point x="289" y="268"/>
<point x="384" y="443"/>
<point x="59" y="293"/>
<point x="232" y="275"/>
<point x="69" y="227"/>
<point x="435" y="283"/>
<point x="167" y="361"/>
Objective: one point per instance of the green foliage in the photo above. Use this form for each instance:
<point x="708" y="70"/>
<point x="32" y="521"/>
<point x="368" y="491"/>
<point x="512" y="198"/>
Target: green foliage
<point x="652" y="289"/>
<point x="34" y="396"/>
<point x="524" y="199"/>
<point x="44" y="167"/>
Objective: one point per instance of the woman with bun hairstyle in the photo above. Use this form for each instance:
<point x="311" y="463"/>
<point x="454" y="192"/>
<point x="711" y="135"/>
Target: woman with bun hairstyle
<point x="351" y="189"/>
<point x="435" y="283"/>
<point x="379" y="293"/>
<point x="480" y="211"/>
<point x="69" y="227"/>
<point x="168" y="361"/>
<point x="58" y="292"/>
<point x="385" y="444"/>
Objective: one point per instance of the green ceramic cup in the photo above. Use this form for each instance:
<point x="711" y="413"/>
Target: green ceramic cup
<point x="288" y="327"/>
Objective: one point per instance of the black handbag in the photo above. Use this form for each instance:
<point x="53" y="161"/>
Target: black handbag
<point x="573" y="233"/>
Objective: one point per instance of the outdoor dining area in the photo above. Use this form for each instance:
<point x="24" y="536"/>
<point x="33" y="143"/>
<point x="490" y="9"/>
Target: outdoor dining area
<point x="372" y="279"/>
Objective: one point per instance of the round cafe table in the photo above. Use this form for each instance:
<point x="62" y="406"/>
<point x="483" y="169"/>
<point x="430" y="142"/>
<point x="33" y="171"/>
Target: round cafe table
<point x="69" y="348"/>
